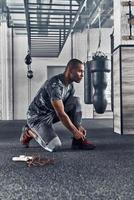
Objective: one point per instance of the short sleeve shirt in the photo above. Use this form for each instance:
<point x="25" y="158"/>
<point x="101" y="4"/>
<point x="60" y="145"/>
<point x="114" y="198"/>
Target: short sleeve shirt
<point x="52" y="89"/>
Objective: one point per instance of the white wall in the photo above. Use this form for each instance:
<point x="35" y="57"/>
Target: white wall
<point x="5" y="71"/>
<point x="20" y="77"/>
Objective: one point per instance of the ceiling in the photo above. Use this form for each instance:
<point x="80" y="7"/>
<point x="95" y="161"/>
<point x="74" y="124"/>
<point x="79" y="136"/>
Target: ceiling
<point x="48" y="23"/>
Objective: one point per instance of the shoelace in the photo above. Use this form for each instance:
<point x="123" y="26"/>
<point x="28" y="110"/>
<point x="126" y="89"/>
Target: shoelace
<point x="37" y="161"/>
<point x="26" y="135"/>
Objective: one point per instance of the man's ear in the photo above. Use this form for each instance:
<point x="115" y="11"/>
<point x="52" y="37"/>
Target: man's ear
<point x="71" y="69"/>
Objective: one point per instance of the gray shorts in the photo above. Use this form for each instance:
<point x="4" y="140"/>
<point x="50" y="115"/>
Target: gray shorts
<point x="46" y="131"/>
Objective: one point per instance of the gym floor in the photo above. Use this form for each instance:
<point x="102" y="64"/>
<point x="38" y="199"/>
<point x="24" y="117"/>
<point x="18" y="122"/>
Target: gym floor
<point x="105" y="173"/>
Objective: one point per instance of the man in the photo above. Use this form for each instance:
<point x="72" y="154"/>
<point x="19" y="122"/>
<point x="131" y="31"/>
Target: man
<point x="55" y="102"/>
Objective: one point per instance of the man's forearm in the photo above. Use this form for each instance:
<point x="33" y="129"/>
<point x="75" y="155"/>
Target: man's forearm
<point x="67" y="123"/>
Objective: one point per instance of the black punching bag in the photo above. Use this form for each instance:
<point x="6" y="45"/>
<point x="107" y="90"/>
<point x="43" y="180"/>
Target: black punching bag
<point x="87" y="83"/>
<point x="99" y="68"/>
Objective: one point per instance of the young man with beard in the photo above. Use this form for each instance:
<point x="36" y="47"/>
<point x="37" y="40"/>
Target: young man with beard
<point x="55" y="101"/>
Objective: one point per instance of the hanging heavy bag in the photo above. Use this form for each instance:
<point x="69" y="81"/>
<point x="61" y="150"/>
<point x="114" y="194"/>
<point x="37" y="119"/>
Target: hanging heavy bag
<point x="99" y="68"/>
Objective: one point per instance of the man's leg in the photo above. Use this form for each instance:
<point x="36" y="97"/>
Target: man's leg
<point x="73" y="109"/>
<point x="43" y="133"/>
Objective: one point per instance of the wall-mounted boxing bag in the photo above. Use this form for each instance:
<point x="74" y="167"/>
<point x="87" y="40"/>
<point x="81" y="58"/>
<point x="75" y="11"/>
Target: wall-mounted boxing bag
<point x="88" y="92"/>
<point x="99" y="70"/>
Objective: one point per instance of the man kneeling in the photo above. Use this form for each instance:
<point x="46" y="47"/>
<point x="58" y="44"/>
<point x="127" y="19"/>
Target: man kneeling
<point x="55" y="102"/>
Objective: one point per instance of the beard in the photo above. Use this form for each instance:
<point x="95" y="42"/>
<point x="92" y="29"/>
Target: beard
<point x="77" y="80"/>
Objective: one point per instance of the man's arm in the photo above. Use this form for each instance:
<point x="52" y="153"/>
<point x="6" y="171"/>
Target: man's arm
<point x="59" y="109"/>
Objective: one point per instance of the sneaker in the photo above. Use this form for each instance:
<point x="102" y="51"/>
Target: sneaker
<point x="82" y="144"/>
<point x="25" y="137"/>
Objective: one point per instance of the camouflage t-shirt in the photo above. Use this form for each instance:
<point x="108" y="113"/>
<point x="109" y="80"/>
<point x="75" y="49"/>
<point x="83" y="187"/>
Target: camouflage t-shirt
<point x="41" y="108"/>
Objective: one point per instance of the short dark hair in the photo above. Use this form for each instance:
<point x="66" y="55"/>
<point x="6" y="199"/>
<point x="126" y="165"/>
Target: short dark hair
<point x="74" y="62"/>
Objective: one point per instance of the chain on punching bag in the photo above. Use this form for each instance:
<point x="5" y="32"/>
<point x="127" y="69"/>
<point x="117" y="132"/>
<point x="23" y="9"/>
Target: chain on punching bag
<point x="99" y="30"/>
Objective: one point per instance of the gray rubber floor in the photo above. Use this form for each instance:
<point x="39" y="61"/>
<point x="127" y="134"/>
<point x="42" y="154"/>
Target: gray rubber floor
<point x="106" y="173"/>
